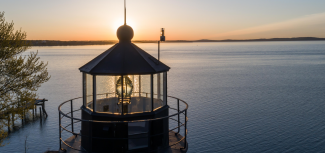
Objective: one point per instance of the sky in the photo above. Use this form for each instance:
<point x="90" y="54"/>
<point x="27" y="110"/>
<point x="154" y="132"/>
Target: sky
<point x="182" y="19"/>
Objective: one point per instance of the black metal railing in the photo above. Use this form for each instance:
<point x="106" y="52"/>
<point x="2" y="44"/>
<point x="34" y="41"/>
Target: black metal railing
<point x="180" y="124"/>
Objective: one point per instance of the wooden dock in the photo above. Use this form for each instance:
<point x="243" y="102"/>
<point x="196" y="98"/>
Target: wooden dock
<point x="38" y="102"/>
<point x="8" y="115"/>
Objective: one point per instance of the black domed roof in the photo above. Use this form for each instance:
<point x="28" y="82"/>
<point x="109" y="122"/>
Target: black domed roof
<point x="125" y="33"/>
<point x="124" y="58"/>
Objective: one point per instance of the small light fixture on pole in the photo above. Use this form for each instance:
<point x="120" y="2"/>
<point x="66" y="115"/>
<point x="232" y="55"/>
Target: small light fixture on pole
<point x="162" y="35"/>
<point x="162" y="38"/>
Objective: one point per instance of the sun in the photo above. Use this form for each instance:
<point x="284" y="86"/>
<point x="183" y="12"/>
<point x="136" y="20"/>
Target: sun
<point x="120" y="22"/>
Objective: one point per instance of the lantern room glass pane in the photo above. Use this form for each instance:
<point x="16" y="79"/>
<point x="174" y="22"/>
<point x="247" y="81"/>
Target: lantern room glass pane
<point x="161" y="87"/>
<point x="89" y="91"/>
<point x="136" y="86"/>
<point x="129" y="94"/>
<point x="84" y="89"/>
<point x="145" y="93"/>
<point x="136" y="94"/>
<point x="164" y="88"/>
<point x="145" y="87"/>
<point x="105" y="89"/>
<point x="158" y="87"/>
<point x="105" y="86"/>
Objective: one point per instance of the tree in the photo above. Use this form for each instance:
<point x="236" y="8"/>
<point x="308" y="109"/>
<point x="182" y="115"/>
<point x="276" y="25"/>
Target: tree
<point x="20" y="75"/>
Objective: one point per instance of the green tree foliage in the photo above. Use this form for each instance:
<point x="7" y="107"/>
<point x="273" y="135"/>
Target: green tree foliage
<point x="20" y="75"/>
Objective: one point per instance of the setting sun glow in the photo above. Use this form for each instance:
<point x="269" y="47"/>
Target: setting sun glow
<point x="183" y="20"/>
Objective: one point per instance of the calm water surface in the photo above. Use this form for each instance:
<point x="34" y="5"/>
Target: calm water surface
<point x="243" y="97"/>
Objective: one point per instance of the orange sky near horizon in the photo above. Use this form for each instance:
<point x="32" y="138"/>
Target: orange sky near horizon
<point x="183" y="20"/>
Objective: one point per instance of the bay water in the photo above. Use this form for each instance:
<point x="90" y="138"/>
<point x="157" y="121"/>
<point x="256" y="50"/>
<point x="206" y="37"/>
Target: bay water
<point x="242" y="96"/>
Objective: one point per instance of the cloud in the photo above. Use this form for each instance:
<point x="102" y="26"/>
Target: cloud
<point x="311" y="24"/>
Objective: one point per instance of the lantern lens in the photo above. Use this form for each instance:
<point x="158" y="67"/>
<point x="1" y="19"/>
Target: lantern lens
<point x="127" y="87"/>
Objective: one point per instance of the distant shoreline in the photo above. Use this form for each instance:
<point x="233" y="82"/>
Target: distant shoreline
<point x="104" y="42"/>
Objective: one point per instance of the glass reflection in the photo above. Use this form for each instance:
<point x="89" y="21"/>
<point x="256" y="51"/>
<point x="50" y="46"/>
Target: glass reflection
<point x="135" y="90"/>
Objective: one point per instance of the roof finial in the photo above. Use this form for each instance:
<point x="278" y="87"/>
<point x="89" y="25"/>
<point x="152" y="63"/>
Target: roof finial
<point x="124" y="13"/>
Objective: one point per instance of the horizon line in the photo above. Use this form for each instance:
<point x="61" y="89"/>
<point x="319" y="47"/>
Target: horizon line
<point x="190" y="39"/>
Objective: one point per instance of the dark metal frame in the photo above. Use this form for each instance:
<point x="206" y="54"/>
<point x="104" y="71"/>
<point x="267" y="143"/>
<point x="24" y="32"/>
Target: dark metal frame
<point x="180" y="124"/>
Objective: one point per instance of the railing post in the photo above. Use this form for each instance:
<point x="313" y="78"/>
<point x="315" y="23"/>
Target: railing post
<point x="178" y="117"/>
<point x="60" y="130"/>
<point x="72" y="116"/>
<point x="185" y="142"/>
<point x="185" y="133"/>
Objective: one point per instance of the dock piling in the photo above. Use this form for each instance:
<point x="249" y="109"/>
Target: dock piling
<point x="33" y="113"/>
<point x="44" y="112"/>
<point x="40" y="112"/>
<point x="8" y="123"/>
<point x="13" y="120"/>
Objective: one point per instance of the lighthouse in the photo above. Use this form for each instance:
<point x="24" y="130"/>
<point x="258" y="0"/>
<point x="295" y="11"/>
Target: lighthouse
<point x="125" y="106"/>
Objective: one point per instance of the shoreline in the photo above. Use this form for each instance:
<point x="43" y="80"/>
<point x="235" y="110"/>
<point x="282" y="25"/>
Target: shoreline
<point x="107" y="42"/>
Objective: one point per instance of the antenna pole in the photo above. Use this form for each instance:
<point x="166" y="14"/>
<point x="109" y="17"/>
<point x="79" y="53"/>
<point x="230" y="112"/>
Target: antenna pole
<point x="124" y="13"/>
<point x="158" y="50"/>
